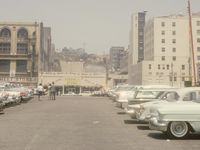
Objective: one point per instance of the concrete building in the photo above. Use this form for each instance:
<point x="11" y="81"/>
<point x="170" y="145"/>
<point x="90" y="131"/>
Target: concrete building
<point x="136" y="40"/>
<point x="24" y="49"/>
<point x="124" y="63"/>
<point x="116" y="54"/>
<point x="167" y="55"/>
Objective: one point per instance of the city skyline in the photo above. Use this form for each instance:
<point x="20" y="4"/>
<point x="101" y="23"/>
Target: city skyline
<point x="93" y="25"/>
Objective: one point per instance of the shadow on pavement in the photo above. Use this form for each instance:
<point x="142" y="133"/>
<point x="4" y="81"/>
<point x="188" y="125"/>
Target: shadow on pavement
<point x="121" y="113"/>
<point x="162" y="136"/>
<point x="132" y="122"/>
<point x="143" y="127"/>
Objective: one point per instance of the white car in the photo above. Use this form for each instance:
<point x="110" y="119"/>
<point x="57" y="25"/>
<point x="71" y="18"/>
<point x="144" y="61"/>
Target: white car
<point x="142" y="111"/>
<point x="143" y="96"/>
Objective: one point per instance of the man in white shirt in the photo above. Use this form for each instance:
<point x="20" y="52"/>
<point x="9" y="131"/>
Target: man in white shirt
<point x="40" y="90"/>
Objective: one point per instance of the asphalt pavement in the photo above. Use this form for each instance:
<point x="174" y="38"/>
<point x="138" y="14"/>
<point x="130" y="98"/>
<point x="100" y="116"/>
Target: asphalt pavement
<point x="80" y="123"/>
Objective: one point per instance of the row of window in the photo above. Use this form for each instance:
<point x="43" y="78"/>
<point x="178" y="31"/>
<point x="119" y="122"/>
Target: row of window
<point x="6" y="33"/>
<point x="173" y="49"/>
<point x="163" y="24"/>
<point x="167" y="67"/>
<point x="163" y="32"/>
<point x="163" y="40"/>
<point x="21" y="66"/>
<point x="22" y="48"/>
<point x="173" y="58"/>
<point x="174" y="40"/>
<point x="173" y="24"/>
<point x="170" y="77"/>
<point x="174" y="32"/>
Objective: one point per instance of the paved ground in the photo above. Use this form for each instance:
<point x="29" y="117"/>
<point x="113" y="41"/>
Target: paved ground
<point x="80" y="123"/>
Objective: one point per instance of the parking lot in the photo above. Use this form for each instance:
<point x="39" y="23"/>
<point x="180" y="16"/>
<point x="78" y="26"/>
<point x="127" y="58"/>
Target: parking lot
<point x="80" y="123"/>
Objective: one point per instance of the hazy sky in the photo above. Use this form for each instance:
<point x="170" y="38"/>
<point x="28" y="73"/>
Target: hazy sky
<point x="95" y="24"/>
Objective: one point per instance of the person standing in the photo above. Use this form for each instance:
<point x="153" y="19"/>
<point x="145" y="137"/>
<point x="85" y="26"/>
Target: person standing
<point x="40" y="90"/>
<point x="53" y="91"/>
<point x="49" y="91"/>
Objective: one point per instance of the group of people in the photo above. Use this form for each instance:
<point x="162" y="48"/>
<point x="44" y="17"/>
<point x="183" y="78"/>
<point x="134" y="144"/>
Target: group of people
<point x="51" y="91"/>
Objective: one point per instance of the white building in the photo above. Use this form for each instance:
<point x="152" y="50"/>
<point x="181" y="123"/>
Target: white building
<point x="167" y="51"/>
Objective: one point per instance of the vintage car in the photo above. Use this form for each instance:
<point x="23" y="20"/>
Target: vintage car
<point x="142" y="96"/>
<point x="179" y="119"/>
<point x="116" y="92"/>
<point x="142" y="111"/>
<point x="123" y="96"/>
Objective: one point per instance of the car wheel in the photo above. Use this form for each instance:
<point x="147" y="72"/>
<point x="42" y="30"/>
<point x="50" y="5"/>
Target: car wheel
<point x="178" y="129"/>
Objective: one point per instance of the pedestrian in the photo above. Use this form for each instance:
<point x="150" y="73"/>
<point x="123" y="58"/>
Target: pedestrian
<point x="49" y="91"/>
<point x="53" y="91"/>
<point x="40" y="90"/>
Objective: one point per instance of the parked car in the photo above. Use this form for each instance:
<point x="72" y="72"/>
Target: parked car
<point x="142" y="96"/>
<point x="119" y="89"/>
<point x="179" y="119"/>
<point x="142" y="111"/>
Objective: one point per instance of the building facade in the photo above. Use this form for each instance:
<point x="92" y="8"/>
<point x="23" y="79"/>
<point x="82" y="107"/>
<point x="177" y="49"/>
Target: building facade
<point x="167" y="51"/>
<point x="23" y="51"/>
<point x="116" y="55"/>
<point x="136" y="40"/>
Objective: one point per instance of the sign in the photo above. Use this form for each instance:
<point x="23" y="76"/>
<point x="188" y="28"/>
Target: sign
<point x="72" y="81"/>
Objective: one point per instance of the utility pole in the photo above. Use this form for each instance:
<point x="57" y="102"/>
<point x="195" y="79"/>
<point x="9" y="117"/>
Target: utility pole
<point x="192" y="44"/>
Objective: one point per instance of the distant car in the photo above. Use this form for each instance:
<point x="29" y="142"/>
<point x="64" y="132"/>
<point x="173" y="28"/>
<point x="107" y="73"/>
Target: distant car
<point x="70" y="94"/>
<point x="86" y="93"/>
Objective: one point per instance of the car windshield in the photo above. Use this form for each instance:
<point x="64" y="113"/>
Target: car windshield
<point x="148" y="94"/>
<point x="170" y="96"/>
<point x="124" y="89"/>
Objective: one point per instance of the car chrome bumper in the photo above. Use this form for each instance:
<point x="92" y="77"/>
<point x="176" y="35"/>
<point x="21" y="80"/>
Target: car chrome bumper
<point x="130" y="112"/>
<point x="154" y="124"/>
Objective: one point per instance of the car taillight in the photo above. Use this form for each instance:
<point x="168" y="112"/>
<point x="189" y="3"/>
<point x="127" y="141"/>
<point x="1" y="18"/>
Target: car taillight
<point x="23" y="94"/>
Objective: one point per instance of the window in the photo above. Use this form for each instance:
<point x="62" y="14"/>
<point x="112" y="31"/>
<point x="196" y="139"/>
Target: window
<point x="170" y="78"/>
<point x="163" y="49"/>
<point x="175" y="78"/>
<point x="149" y="66"/>
<point x="174" y="49"/>
<point x="198" y="57"/>
<point x="163" y="41"/>
<point x="167" y="67"/>
<point x="198" y="23"/>
<point x="158" y="66"/>
<point x="198" y="32"/>
<point x="21" y="66"/>
<point x="163" y="67"/>
<point x="163" y="32"/>
<point x="183" y="67"/>
<point x="173" y="24"/>
<point x="5" y="33"/>
<point x="173" y="32"/>
<point x="198" y="49"/>
<point x="163" y="24"/>
<point x="183" y="78"/>
<point x="163" y="58"/>
<point x="198" y="40"/>
<point x="174" y="58"/>
<point x="4" y="66"/>
<point x="190" y="96"/>
<point x="173" y="40"/>
<point x="4" y="48"/>
<point x="22" y="48"/>
<point x="22" y="33"/>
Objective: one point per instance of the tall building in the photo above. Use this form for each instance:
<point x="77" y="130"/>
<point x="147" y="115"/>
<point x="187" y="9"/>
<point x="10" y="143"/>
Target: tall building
<point x="116" y="54"/>
<point x="167" y="51"/>
<point x="24" y="49"/>
<point x="136" y="40"/>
